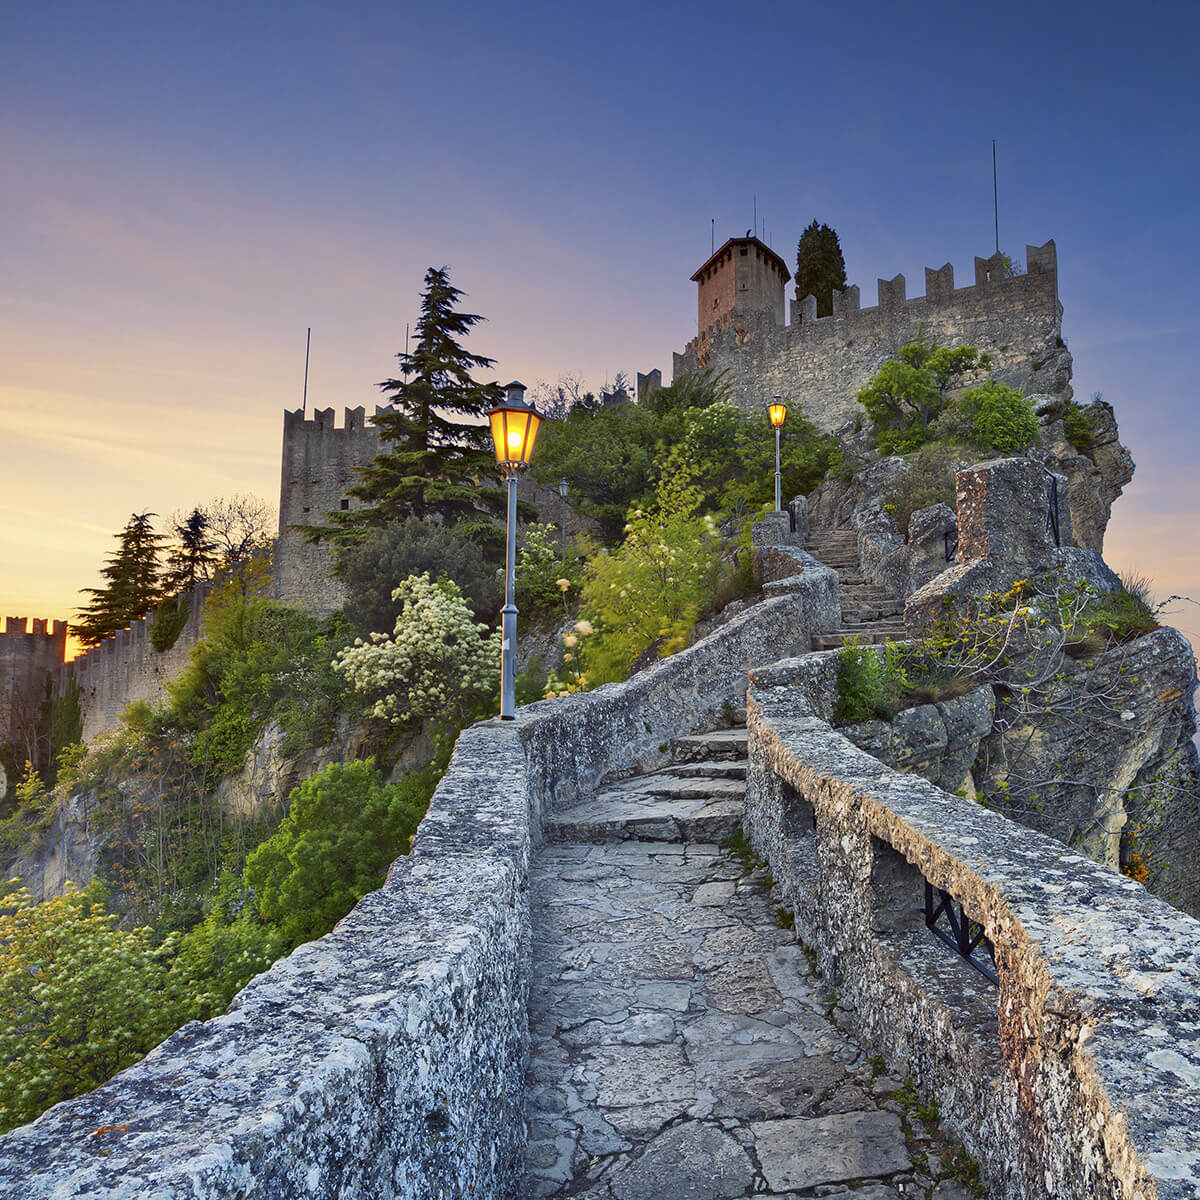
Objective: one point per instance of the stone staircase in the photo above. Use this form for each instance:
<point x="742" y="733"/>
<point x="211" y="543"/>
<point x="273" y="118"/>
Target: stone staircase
<point x="680" y="1045"/>
<point x="869" y="612"/>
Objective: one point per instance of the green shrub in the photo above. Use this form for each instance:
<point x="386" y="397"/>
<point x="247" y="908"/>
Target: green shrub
<point x="168" y="622"/>
<point x="650" y="590"/>
<point x="995" y="418"/>
<point x="1078" y="424"/>
<point x="343" y="830"/>
<point x="910" y="392"/>
<point x="229" y="947"/>
<point x="371" y="569"/>
<point x="929" y="480"/>
<point x="869" y="683"/>
<point x="541" y="569"/>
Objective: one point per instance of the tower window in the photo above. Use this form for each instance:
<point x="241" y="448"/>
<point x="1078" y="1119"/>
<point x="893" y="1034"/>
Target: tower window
<point x="345" y="505"/>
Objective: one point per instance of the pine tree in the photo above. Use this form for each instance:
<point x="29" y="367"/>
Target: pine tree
<point x="132" y="585"/>
<point x="820" y="267"/>
<point x="193" y="556"/>
<point x="431" y="464"/>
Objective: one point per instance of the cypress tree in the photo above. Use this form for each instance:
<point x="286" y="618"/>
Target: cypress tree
<point x="132" y="586"/>
<point x="193" y="556"/>
<point x="820" y="267"/>
<point x="435" y="457"/>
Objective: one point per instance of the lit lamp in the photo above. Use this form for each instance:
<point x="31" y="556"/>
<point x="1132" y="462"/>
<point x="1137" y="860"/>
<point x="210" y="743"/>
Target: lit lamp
<point x="514" y="430"/>
<point x="777" y="411"/>
<point x="563" y="488"/>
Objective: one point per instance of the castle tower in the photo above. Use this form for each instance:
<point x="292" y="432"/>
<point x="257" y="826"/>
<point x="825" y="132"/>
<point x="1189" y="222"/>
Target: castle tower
<point x="27" y="660"/>
<point x="319" y="463"/>
<point x="744" y="277"/>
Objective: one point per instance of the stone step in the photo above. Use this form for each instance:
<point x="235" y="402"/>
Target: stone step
<point x="835" y="641"/>
<point x="730" y="769"/>
<point x="615" y="816"/>
<point x="703" y="747"/>
<point x="671" y="784"/>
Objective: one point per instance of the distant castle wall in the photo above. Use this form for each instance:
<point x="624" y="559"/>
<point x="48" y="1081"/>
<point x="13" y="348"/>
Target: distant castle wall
<point x="819" y="364"/>
<point x="27" y="660"/>
<point x="126" y="667"/>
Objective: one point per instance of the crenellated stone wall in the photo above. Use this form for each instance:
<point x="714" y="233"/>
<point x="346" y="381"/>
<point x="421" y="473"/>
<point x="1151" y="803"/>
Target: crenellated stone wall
<point x="819" y="364"/>
<point x="126" y="667"/>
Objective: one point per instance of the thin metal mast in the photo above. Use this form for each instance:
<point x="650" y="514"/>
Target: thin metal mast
<point x="995" y="197"/>
<point x="304" y="402"/>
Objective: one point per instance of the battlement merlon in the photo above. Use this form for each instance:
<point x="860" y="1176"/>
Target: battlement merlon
<point x="43" y="628"/>
<point x="324" y="420"/>
<point x="820" y="363"/>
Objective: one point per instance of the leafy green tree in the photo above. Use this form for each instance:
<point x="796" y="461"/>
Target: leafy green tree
<point x="342" y="831"/>
<point x="132" y="585"/>
<point x="80" y="1000"/>
<point x="820" y="267"/>
<point x="435" y="456"/>
<point x="609" y="456"/>
<point x="911" y="391"/>
<point x="229" y="947"/>
<point x="371" y="568"/>
<point x="650" y="590"/>
<point x="732" y="457"/>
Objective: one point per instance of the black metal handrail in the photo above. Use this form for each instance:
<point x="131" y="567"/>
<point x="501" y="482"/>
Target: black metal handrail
<point x="965" y="936"/>
<point x="1052" y="510"/>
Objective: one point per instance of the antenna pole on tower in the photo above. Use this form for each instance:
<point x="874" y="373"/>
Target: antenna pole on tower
<point x="995" y="197"/>
<point x="713" y="237"/>
<point x="304" y="402"/>
<point x="756" y="214"/>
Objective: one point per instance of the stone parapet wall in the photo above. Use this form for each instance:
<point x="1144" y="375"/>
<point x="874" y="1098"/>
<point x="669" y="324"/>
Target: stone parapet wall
<point x="387" y="1058"/>
<point x="1079" y="1075"/>
<point x="819" y="364"/>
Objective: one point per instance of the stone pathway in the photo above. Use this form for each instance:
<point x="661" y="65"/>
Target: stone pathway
<point x="869" y="613"/>
<point x="681" y="1047"/>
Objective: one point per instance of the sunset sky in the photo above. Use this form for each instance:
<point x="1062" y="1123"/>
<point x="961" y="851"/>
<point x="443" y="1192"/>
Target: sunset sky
<point x="188" y="187"/>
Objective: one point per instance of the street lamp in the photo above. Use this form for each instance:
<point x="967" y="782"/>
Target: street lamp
<point x="563" y="488"/>
<point x="777" y="411"/>
<point x="514" y="430"/>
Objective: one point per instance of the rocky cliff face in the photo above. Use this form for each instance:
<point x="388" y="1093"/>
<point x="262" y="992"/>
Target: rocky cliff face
<point x="1093" y="480"/>
<point x="72" y="850"/>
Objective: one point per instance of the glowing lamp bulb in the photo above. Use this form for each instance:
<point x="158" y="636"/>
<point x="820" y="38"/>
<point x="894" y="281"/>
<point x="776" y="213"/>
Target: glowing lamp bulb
<point x="514" y="439"/>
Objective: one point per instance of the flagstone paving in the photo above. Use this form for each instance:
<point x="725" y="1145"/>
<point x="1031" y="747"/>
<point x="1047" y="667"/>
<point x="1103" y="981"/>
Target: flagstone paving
<point x="681" y="1047"/>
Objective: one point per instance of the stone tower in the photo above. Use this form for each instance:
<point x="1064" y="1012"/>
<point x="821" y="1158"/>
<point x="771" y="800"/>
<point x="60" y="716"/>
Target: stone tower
<point x="319" y="462"/>
<point x="743" y="278"/>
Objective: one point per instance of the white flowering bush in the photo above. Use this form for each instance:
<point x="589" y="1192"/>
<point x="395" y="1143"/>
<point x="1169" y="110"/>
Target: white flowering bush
<point x="437" y="662"/>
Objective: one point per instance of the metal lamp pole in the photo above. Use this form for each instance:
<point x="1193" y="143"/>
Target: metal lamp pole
<point x="563" y="488"/>
<point x="514" y="426"/>
<point x="508" y="614"/>
<point x="777" y="411"/>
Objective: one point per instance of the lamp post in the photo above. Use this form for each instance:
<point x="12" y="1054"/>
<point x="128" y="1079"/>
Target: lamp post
<point x="563" y="488"/>
<point x="777" y="411"/>
<point x="514" y="430"/>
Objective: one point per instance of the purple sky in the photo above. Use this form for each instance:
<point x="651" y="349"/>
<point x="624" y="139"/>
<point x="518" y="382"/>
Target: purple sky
<point x="186" y="188"/>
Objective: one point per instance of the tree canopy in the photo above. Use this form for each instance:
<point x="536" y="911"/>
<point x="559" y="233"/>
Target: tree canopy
<point x="132" y="585"/>
<point x="434" y="458"/>
<point x="820" y="267"/>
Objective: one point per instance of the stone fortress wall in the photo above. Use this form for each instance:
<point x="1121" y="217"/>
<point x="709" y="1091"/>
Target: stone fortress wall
<point x="28" y="658"/>
<point x="819" y="364"/>
<point x="126" y="668"/>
